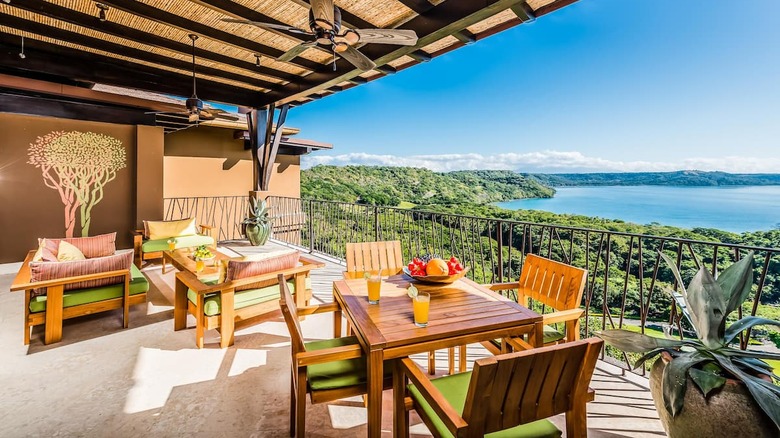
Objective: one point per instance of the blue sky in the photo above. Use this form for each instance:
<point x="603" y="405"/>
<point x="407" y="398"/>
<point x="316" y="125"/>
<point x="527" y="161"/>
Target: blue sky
<point x="601" y="85"/>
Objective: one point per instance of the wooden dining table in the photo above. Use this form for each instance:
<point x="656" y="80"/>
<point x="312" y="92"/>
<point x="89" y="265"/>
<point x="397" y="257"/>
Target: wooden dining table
<point x="461" y="313"/>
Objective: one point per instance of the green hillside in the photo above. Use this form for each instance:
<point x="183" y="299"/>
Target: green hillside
<point x="679" y="178"/>
<point x="394" y="185"/>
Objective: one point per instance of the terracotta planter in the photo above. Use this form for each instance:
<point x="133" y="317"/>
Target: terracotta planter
<point x="258" y="234"/>
<point x="729" y="411"/>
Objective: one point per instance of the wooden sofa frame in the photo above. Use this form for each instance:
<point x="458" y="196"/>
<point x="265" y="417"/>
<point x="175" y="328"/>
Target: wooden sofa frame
<point x="54" y="314"/>
<point x="138" y="241"/>
<point x="229" y="320"/>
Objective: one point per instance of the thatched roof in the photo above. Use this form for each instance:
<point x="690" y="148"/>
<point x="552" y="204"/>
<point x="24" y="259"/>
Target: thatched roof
<point x="144" y="44"/>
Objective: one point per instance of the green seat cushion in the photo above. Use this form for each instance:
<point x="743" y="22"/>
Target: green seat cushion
<point x="551" y="334"/>
<point x="181" y="242"/>
<point x="341" y="373"/>
<point x="454" y="389"/>
<point x="241" y="299"/>
<point x="138" y="285"/>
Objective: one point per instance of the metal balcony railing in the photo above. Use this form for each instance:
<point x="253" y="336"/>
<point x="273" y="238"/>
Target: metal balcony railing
<point x="626" y="275"/>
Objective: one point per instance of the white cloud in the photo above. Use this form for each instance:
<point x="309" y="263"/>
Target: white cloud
<point x="546" y="161"/>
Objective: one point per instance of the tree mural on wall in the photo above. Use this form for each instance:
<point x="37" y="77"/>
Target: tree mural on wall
<point x="78" y="165"/>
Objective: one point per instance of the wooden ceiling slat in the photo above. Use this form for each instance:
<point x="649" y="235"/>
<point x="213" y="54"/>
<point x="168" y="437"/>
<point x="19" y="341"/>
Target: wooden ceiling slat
<point x="94" y="43"/>
<point x="57" y="60"/>
<point x="171" y="19"/>
<point x="80" y="19"/>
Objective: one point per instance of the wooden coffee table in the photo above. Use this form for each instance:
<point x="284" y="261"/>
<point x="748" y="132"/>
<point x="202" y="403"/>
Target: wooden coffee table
<point x="182" y="260"/>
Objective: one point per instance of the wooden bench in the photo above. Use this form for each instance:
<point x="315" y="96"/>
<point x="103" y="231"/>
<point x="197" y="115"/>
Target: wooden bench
<point x="56" y="305"/>
<point x="229" y="318"/>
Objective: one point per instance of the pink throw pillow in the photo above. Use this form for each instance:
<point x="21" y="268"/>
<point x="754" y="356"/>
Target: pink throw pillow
<point x="238" y="269"/>
<point x="94" y="246"/>
<point x="42" y="271"/>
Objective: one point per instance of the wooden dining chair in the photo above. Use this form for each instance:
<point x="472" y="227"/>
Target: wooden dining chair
<point x="550" y="283"/>
<point x="374" y="256"/>
<point x="327" y="370"/>
<point x="514" y="393"/>
<point x="386" y="256"/>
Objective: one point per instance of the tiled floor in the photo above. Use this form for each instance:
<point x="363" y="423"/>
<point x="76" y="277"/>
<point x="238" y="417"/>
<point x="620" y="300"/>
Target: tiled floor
<point x="148" y="380"/>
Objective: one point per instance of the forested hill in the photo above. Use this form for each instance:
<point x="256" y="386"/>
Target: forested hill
<point x="679" y="178"/>
<point x="399" y="185"/>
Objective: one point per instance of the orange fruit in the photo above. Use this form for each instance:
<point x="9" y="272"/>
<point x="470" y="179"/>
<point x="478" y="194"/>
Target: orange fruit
<point x="437" y="267"/>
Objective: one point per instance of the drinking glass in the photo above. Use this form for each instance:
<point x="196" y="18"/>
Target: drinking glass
<point x="199" y="265"/>
<point x="421" y="305"/>
<point x="374" y="283"/>
<point x="171" y="245"/>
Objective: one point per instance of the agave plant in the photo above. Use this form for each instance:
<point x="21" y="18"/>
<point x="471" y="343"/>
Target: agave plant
<point x="258" y="225"/>
<point x="258" y="212"/>
<point x="710" y="359"/>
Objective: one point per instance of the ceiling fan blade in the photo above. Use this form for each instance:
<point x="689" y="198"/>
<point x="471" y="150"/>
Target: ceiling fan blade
<point x="323" y="11"/>
<point x="295" y="51"/>
<point x="166" y="112"/>
<point x="401" y="37"/>
<point x="267" y="25"/>
<point x="357" y="59"/>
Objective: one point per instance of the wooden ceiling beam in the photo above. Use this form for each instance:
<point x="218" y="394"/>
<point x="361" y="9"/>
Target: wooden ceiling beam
<point x="170" y="19"/>
<point x="442" y="20"/>
<point x="418" y="6"/>
<point x="465" y="37"/>
<point x="82" y="94"/>
<point x="67" y="15"/>
<point x="60" y="61"/>
<point x="524" y="12"/>
<point x="118" y="49"/>
<point x="420" y="56"/>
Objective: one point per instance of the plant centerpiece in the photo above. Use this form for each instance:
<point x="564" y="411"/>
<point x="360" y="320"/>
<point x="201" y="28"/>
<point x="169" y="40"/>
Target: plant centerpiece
<point x="257" y="227"/>
<point x="733" y="393"/>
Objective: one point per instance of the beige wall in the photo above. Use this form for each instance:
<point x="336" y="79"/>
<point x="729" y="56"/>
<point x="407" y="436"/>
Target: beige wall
<point x="206" y="161"/>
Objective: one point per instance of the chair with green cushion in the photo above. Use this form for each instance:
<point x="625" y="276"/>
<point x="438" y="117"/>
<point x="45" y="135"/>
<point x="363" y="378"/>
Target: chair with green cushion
<point x="327" y="370"/>
<point x="556" y="285"/>
<point x="509" y="395"/>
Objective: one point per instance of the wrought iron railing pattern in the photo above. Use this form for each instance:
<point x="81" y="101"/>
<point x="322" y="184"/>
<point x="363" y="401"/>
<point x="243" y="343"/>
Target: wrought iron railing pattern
<point x="225" y="213"/>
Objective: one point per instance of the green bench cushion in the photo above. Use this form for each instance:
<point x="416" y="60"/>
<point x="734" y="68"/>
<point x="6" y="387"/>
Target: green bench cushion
<point x="241" y="299"/>
<point x="454" y="389"/>
<point x="138" y="285"/>
<point x="181" y="242"/>
<point x="341" y="373"/>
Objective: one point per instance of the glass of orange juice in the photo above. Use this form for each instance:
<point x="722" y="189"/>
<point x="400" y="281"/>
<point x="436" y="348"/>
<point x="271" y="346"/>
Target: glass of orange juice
<point x="421" y="305"/>
<point x="171" y="244"/>
<point x="199" y="265"/>
<point x="374" y="283"/>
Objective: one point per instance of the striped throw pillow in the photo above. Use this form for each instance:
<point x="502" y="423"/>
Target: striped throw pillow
<point x="95" y="246"/>
<point x="47" y="251"/>
<point x="42" y="271"/>
<point x="238" y="269"/>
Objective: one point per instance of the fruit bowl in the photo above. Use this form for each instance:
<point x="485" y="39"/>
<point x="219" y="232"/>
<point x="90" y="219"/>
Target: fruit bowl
<point x="437" y="279"/>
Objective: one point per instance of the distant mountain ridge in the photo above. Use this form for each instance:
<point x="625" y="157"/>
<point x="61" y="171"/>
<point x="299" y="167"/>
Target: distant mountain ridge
<point x="678" y="178"/>
<point x="384" y="185"/>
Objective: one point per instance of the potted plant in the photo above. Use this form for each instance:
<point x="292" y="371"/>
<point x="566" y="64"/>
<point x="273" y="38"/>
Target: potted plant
<point x="257" y="227"/>
<point x="733" y="393"/>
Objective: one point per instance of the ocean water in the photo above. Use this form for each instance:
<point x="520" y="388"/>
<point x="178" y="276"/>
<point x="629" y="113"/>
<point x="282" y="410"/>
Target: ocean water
<point x="737" y="209"/>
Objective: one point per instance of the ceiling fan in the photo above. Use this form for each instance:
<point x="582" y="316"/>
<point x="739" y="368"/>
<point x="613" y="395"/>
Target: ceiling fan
<point x="325" y="29"/>
<point x="195" y="110"/>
